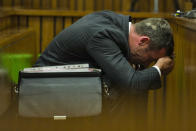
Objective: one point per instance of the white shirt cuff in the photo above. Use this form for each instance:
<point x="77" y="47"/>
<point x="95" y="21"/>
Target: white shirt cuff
<point x="156" y="67"/>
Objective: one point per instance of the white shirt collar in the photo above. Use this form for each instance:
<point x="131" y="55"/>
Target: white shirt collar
<point x="129" y="26"/>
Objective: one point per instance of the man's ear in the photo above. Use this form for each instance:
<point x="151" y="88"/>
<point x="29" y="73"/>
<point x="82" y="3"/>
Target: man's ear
<point x="144" y="40"/>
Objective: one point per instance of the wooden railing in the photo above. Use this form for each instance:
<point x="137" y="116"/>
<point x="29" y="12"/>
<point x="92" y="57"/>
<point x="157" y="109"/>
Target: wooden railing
<point x="94" y="5"/>
<point x="6" y="20"/>
<point x="80" y="5"/>
<point x="48" y="23"/>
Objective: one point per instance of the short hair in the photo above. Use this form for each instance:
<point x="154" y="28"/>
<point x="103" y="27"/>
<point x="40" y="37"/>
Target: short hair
<point x="159" y="32"/>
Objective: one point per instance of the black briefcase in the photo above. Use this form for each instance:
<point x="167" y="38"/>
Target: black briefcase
<point x="60" y="92"/>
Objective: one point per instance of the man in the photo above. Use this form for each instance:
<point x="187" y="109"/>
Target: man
<point x="111" y="42"/>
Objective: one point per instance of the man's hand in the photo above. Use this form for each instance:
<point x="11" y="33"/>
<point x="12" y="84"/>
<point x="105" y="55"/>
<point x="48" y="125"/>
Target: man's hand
<point x="165" y="64"/>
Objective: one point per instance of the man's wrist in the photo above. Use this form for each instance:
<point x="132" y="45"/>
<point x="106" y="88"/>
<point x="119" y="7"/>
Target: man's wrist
<point x="158" y="69"/>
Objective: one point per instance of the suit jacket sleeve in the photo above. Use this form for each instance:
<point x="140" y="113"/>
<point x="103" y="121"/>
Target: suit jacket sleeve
<point x="116" y="67"/>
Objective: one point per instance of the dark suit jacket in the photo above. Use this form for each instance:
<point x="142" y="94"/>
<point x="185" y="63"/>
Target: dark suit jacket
<point x="100" y="39"/>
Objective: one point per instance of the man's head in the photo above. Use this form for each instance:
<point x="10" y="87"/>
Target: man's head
<point x="149" y="40"/>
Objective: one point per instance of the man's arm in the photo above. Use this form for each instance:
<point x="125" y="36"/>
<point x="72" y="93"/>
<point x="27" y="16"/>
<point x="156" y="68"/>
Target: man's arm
<point x="165" y="64"/>
<point x="116" y="67"/>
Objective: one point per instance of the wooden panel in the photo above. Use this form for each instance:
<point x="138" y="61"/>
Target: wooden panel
<point x="72" y="4"/>
<point x="59" y="25"/>
<point x="27" y="3"/>
<point x="98" y="5"/>
<point x="23" y="21"/>
<point x="17" y="3"/>
<point x="170" y="6"/>
<point x="182" y="4"/>
<point x="14" y="21"/>
<point x="33" y="12"/>
<point x="178" y="93"/>
<point x="7" y="3"/>
<point x="80" y="6"/>
<point x="5" y="22"/>
<point x="34" y="23"/>
<point x="1" y="3"/>
<point x="89" y="5"/>
<point x="62" y="4"/>
<point x="54" y="4"/>
<point x="156" y="109"/>
<point x="116" y="5"/>
<point x="36" y="4"/>
<point x="108" y="4"/>
<point x="67" y="22"/>
<point x="67" y="5"/>
<point x="46" y="4"/>
<point x="74" y="19"/>
<point x="119" y="5"/>
<point x="162" y="6"/>
<point x="47" y="31"/>
<point x="178" y="101"/>
<point x="82" y="13"/>
<point x="183" y="83"/>
<point x="126" y="4"/>
<point x="144" y="5"/>
<point x="191" y="71"/>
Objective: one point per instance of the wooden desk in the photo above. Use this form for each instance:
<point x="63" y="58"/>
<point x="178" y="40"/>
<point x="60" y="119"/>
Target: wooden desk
<point x="177" y="98"/>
